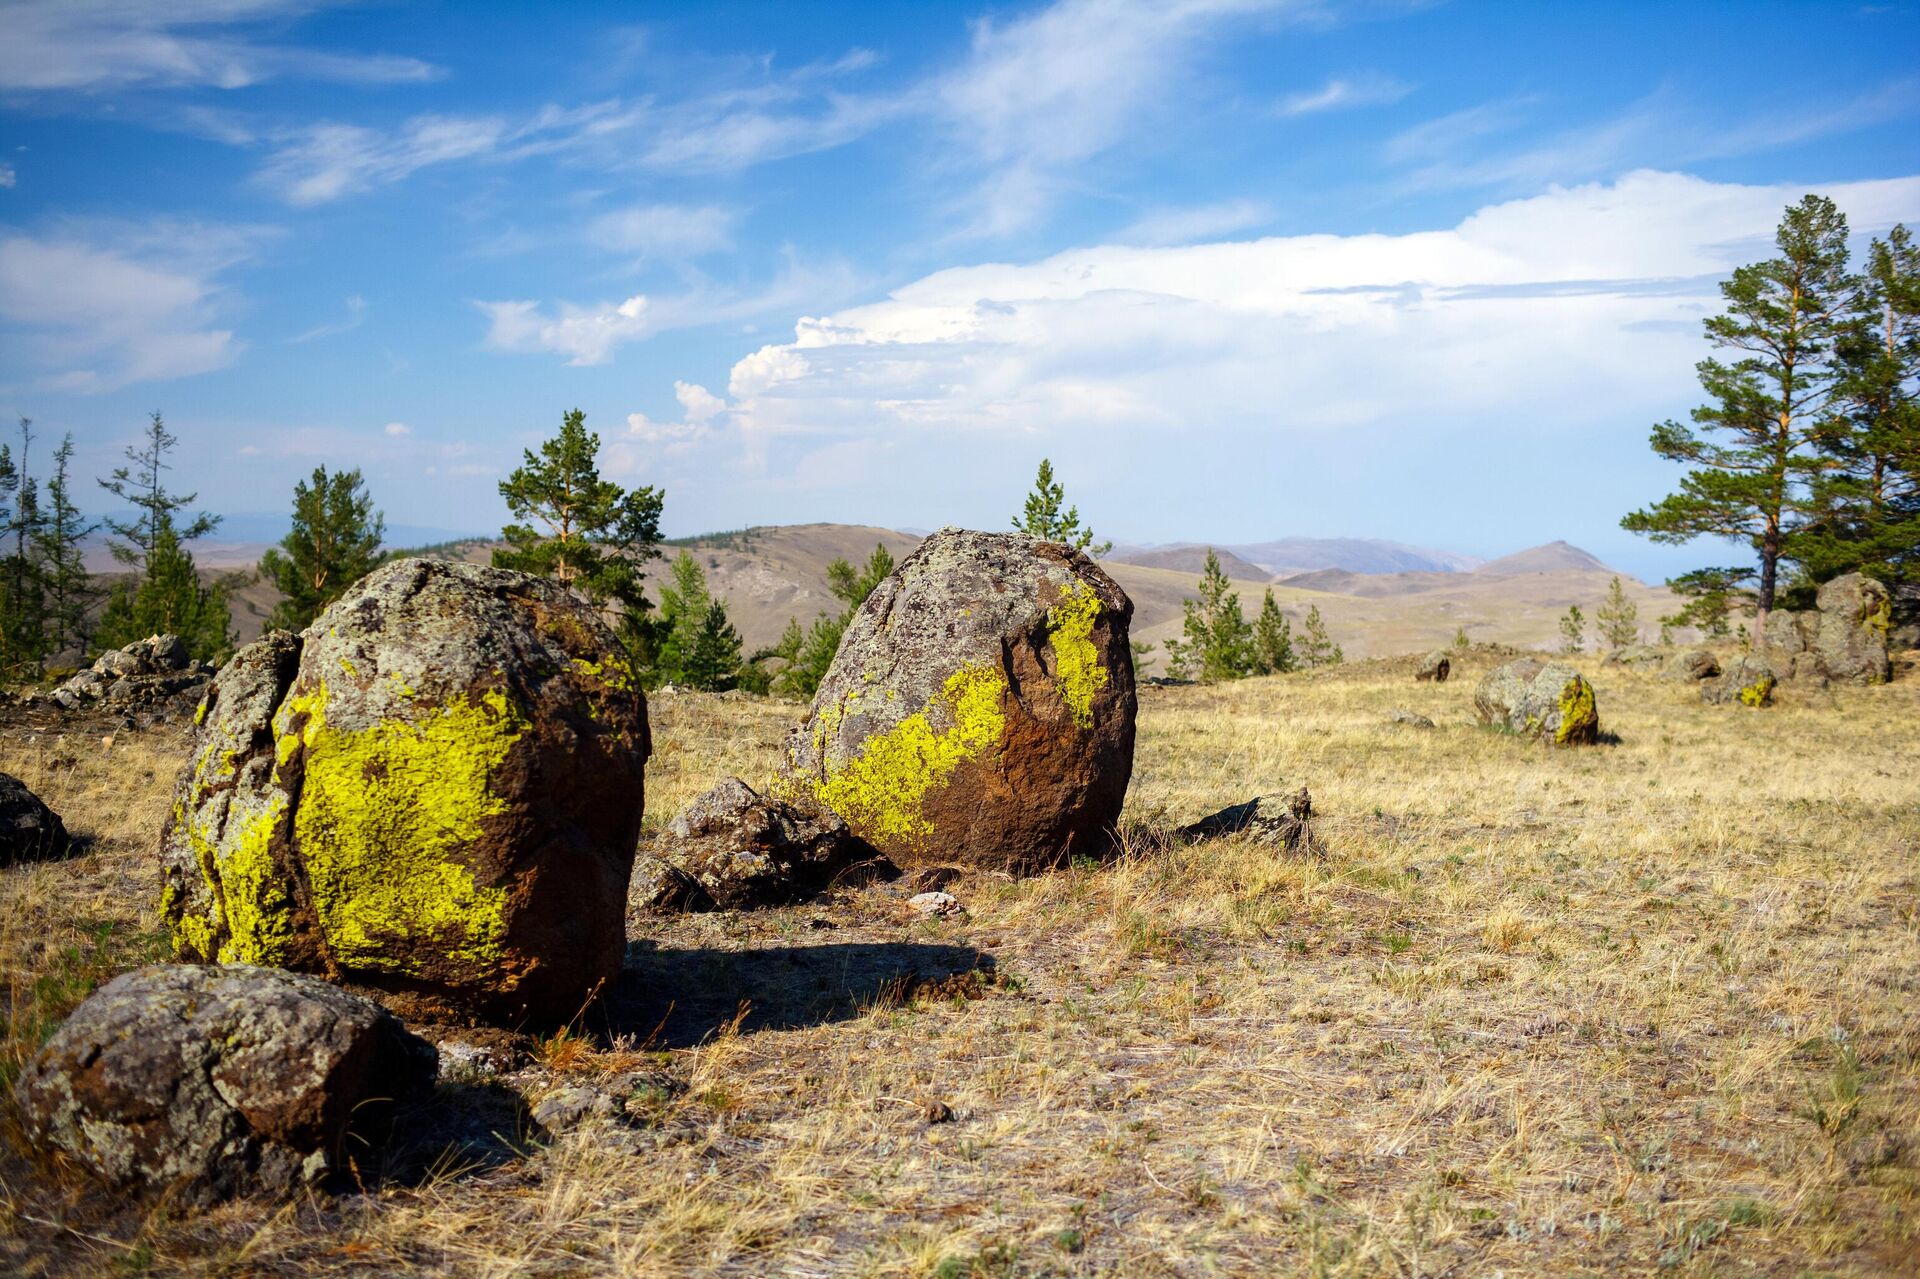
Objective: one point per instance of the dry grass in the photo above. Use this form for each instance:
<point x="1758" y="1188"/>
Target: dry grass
<point x="1647" y="1007"/>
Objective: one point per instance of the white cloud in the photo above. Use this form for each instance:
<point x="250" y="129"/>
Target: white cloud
<point x="1345" y="93"/>
<point x="98" y="44"/>
<point x="327" y="161"/>
<point x="697" y="402"/>
<point x="7" y="176"/>
<point x="89" y="318"/>
<point x="397" y="429"/>
<point x="1552" y="310"/>
<point x="665" y="230"/>
<point x="584" y="334"/>
<point x="356" y="307"/>
<point x="1197" y="222"/>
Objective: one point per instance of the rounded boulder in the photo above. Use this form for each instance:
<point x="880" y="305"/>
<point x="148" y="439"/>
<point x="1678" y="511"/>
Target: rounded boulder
<point x="1550" y="701"/>
<point x="980" y="709"/>
<point x="433" y="793"/>
<point x="29" y="830"/>
<point x="210" y="1082"/>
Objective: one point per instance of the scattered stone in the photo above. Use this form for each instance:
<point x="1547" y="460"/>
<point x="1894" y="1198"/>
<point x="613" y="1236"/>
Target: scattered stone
<point x="465" y="1063"/>
<point x="1267" y="819"/>
<point x="145" y="673"/>
<point x="980" y="709"/>
<point x="664" y="889"/>
<point x="1749" y="682"/>
<point x="433" y="793"/>
<point x="1550" y="701"/>
<point x="746" y="850"/>
<point x="29" y="830"/>
<point x="571" y="1105"/>
<point x="1401" y="715"/>
<point x="936" y="1112"/>
<point x="1856" y="616"/>
<point x="1435" y="666"/>
<point x="935" y="905"/>
<point x="933" y="879"/>
<point x="210" y="1082"/>
<point x="1691" y="666"/>
<point x="1635" y="656"/>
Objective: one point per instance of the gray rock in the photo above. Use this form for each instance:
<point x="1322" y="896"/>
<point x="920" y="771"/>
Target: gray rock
<point x="747" y="850"/>
<point x="935" y="905"/>
<point x="1856" y="617"/>
<point x="29" y="830"/>
<point x="980" y="709"/>
<point x="144" y="673"/>
<point x="663" y="888"/>
<point x="1285" y="821"/>
<point x="210" y="1082"/>
<point x="1401" y="715"/>
<point x="433" y="793"/>
<point x="1435" y="666"/>
<point x="1693" y="665"/>
<point x="1748" y="682"/>
<point x="571" y="1105"/>
<point x="1549" y="701"/>
<point x="1638" y="656"/>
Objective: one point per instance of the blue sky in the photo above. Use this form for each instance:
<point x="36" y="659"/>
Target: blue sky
<point x="1242" y="268"/>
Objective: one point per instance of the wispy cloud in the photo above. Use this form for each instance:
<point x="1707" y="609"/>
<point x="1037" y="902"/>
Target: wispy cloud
<point x="356" y="313"/>
<point x="93" y="306"/>
<point x="98" y="45"/>
<point x="665" y="230"/>
<point x="584" y="334"/>
<point x="7" y="176"/>
<point x="1345" y="93"/>
<point x="1196" y="222"/>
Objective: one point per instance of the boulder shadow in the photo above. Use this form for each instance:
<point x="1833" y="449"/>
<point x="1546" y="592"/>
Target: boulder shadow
<point x="678" y="998"/>
<point x="461" y="1130"/>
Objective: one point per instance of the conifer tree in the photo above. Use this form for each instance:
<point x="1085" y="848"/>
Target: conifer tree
<point x="168" y="599"/>
<point x="1219" y="643"/>
<point x="1750" y="458"/>
<point x="1316" y="646"/>
<point x="1618" y="617"/>
<point x="143" y="487"/>
<point x="699" y="647"/>
<point x="70" y="592"/>
<point x="334" y="542"/>
<point x="1273" y="639"/>
<point x="583" y="531"/>
<point x="1044" y="519"/>
<point x="23" y="641"/>
<point x="1573" y="630"/>
<point x="1713" y="596"/>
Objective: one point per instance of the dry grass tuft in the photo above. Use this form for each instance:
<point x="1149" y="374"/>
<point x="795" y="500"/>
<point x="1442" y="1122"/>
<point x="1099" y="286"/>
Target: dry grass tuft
<point x="1642" y="1008"/>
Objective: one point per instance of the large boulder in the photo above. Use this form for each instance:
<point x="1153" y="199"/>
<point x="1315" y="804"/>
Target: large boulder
<point x="1748" y="682"/>
<point x="433" y="793"/>
<point x="1547" y="700"/>
<point x="1435" y="666"/>
<point x="1690" y="667"/>
<point x="980" y="709"/>
<point x="210" y="1082"/>
<point x="746" y="850"/>
<point x="1856" y="615"/>
<point x="29" y="830"/>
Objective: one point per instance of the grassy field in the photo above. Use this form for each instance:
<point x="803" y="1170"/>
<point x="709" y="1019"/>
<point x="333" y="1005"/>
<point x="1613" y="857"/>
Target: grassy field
<point x="1648" y="1007"/>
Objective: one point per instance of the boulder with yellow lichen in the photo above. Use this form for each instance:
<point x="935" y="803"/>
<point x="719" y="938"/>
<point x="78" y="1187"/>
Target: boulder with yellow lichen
<point x="432" y="794"/>
<point x="980" y="709"/>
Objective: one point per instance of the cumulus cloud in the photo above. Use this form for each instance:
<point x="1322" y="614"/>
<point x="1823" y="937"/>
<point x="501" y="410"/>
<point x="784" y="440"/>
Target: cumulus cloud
<point x="584" y="334"/>
<point x="87" y="317"/>
<point x="1552" y="310"/>
<point x="96" y="45"/>
<point x="397" y="429"/>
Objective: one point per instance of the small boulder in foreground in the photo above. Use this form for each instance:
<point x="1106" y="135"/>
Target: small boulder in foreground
<point x="29" y="830"/>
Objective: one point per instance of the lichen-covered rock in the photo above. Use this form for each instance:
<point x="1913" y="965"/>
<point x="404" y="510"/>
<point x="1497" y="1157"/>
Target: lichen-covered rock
<point x="1748" y="682"/>
<point x="1547" y="700"/>
<point x="980" y="710"/>
<point x="1401" y="715"/>
<point x="747" y="850"/>
<point x="1690" y="667"/>
<point x="1435" y="666"/>
<point x="432" y="793"/>
<point x="1637" y="657"/>
<point x="29" y="830"/>
<point x="144" y="673"/>
<point x="1856" y="615"/>
<point x="210" y="1082"/>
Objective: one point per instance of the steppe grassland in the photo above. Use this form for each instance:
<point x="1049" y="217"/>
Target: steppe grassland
<point x="1649" y="1006"/>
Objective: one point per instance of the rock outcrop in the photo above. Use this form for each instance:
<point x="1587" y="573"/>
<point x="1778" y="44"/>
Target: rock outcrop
<point x="1748" y="682"/>
<point x="1856" y="616"/>
<point x="1690" y="667"/>
<point x="29" y="830"/>
<point x="144" y="673"/>
<point x="1435" y="666"/>
<point x="745" y="850"/>
<point x="980" y="709"/>
<point x="1550" y="701"/>
<point x="1638" y="657"/>
<point x="433" y="793"/>
<point x="211" y="1082"/>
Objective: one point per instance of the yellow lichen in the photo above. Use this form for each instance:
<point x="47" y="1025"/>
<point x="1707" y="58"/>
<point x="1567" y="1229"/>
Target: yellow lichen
<point x="1077" y="668"/>
<point x="1757" y="693"/>
<point x="881" y="792"/>
<point x="1576" y="710"/>
<point x="383" y="812"/>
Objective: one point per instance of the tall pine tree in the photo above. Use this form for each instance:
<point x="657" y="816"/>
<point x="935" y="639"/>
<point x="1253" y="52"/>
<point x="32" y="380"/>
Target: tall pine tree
<point x="70" y="592"/>
<point x="334" y="542"/>
<point x="1219" y="644"/>
<point x="23" y="639"/>
<point x="1273" y="639"/>
<point x="1043" y="517"/>
<point x="1750" y="455"/>
<point x="165" y="594"/>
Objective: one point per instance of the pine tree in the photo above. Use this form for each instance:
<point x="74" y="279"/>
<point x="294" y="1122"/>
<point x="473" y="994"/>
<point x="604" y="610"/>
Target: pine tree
<point x="1713" y="596"/>
<point x="70" y="593"/>
<point x="593" y="535"/>
<point x="713" y="662"/>
<point x="1573" y="630"/>
<point x="1219" y="643"/>
<point x="168" y="600"/>
<point x="1460" y="640"/>
<point x="334" y="542"/>
<point x="23" y="619"/>
<point x="1618" y="617"/>
<point x="699" y="647"/>
<point x="1781" y="319"/>
<point x="1272" y="639"/>
<point x="143" y="487"/>
<point x="1043" y="519"/>
<point x="1316" y="646"/>
<point x="1867" y="495"/>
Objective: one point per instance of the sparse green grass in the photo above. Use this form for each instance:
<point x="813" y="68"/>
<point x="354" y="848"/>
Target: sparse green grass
<point x="1647" y="1008"/>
